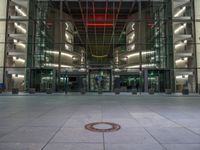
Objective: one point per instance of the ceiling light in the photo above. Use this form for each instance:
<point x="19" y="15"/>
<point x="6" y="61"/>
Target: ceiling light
<point x="17" y="76"/>
<point x="99" y="24"/>
<point x="143" y="66"/>
<point x="133" y="26"/>
<point x="67" y="26"/>
<point x="66" y="35"/>
<point x="18" y="59"/>
<point x="133" y="35"/>
<point x="15" y="41"/>
<point x="133" y="47"/>
<point x="20" y="11"/>
<point x="180" y="28"/>
<point x="56" y="65"/>
<point x="18" y="43"/>
<point x="57" y="53"/>
<point x="182" y="60"/>
<point x="182" y="77"/>
<point x="143" y="53"/>
<point x="20" y="27"/>
<point x="180" y="12"/>
<point x="180" y="44"/>
<point x="66" y="47"/>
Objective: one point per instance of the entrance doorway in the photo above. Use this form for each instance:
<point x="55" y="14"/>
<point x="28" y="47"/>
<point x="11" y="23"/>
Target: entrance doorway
<point x="100" y="80"/>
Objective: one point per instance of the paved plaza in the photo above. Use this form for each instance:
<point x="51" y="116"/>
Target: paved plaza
<point x="57" y="122"/>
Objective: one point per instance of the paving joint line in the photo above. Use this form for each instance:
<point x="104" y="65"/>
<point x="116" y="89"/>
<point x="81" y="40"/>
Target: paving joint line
<point x="145" y="129"/>
<point x="56" y="132"/>
<point x="174" y="122"/>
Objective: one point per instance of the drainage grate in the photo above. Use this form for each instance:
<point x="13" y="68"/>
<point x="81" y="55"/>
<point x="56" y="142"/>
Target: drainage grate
<point x="102" y="127"/>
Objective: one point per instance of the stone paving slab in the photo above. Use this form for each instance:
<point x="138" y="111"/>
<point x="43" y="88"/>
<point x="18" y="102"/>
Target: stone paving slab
<point x="45" y="122"/>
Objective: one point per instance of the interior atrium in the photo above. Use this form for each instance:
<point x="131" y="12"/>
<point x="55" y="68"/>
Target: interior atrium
<point x="100" y="45"/>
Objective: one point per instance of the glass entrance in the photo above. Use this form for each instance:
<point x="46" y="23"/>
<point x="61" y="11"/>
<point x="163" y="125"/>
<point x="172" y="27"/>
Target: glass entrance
<point x="100" y="80"/>
<point x="159" y="80"/>
<point x="128" y="82"/>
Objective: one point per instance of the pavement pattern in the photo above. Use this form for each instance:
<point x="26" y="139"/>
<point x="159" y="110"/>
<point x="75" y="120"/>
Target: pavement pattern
<point x="57" y="122"/>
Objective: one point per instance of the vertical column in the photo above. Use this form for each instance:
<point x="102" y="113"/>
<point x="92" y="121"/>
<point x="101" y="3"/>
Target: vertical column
<point x="197" y="31"/>
<point x="3" y="8"/>
<point x="146" y="80"/>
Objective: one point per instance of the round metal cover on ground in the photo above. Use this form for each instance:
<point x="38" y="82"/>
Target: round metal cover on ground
<point x="102" y="127"/>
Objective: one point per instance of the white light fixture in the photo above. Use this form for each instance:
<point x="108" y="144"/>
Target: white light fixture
<point x="180" y="12"/>
<point x="180" y="28"/>
<point x="185" y="41"/>
<point x="18" y="59"/>
<point x="143" y="66"/>
<point x="133" y="26"/>
<point x="133" y="55"/>
<point x="82" y="69"/>
<point x="117" y="70"/>
<point x="66" y="54"/>
<point x="20" y="27"/>
<point x="57" y="53"/>
<point x="133" y="47"/>
<point x="182" y="77"/>
<point x="20" y="11"/>
<point x="67" y="26"/>
<point x="182" y="60"/>
<point x="143" y="53"/>
<point x="181" y="44"/>
<point x="74" y="58"/>
<point x="56" y="65"/>
<point x="66" y="66"/>
<point x="19" y="43"/>
<point x="131" y="38"/>
<point x="15" y="41"/>
<point x="17" y="76"/>
<point x="66" y="47"/>
<point x="67" y="36"/>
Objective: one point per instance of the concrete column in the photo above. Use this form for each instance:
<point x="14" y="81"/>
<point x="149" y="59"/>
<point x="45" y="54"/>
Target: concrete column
<point x="197" y="31"/>
<point x="146" y="80"/>
<point x="3" y="7"/>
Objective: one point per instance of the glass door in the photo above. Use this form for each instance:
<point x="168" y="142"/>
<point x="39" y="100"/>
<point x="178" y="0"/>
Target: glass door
<point x="100" y="80"/>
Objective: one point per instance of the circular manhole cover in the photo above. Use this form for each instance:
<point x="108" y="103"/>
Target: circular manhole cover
<point x="102" y="127"/>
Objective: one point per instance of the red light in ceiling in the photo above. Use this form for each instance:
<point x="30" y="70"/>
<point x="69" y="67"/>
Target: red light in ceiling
<point x="99" y="24"/>
<point x="100" y="17"/>
<point x="150" y="25"/>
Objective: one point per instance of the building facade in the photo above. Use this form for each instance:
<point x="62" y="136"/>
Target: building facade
<point x="101" y="45"/>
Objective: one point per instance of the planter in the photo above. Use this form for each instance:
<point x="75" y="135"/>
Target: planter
<point x="185" y="91"/>
<point x="134" y="91"/>
<point x="32" y="91"/>
<point x="168" y="91"/>
<point x="15" y="91"/>
<point x="100" y="92"/>
<point x="151" y="91"/>
<point x="117" y="91"/>
<point x="83" y="91"/>
<point x="49" y="91"/>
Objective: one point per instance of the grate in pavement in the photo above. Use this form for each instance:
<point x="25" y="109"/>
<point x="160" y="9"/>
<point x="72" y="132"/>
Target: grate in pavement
<point x="102" y="127"/>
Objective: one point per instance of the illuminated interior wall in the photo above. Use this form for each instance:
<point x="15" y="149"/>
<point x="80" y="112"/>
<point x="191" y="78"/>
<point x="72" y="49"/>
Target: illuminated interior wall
<point x="184" y="47"/>
<point x="16" y="44"/>
<point x="197" y="31"/>
<point x="3" y="6"/>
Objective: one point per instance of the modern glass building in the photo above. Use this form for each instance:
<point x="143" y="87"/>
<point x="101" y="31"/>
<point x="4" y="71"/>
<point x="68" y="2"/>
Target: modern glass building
<point x="92" y="45"/>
